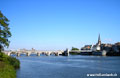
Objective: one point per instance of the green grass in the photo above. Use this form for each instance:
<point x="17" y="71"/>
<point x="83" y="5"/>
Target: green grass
<point x="8" y="66"/>
<point x="7" y="71"/>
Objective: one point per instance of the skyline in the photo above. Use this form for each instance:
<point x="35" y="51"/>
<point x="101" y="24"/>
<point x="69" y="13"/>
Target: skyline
<point x="54" y="25"/>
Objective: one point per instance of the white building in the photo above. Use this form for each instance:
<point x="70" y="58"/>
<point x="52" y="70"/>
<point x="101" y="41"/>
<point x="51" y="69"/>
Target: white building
<point x="97" y="47"/>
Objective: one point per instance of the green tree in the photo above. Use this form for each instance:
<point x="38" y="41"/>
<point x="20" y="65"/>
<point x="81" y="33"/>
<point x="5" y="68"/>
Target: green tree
<point x="4" y="32"/>
<point x="73" y="48"/>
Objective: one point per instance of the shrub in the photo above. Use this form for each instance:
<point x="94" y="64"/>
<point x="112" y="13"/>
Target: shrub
<point x="73" y="48"/>
<point x="8" y="65"/>
<point x="14" y="62"/>
<point x="7" y="71"/>
<point x="10" y="60"/>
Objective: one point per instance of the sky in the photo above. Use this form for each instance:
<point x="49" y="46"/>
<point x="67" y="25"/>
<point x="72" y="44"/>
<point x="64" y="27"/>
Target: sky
<point x="61" y="24"/>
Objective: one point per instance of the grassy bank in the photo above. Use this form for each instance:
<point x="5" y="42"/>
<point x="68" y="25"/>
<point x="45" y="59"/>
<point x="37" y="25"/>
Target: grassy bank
<point x="8" y="66"/>
<point x="74" y="53"/>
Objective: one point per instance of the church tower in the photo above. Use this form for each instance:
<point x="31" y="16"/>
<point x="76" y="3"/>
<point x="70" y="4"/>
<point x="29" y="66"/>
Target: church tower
<point x="98" y="45"/>
<point x="99" y="41"/>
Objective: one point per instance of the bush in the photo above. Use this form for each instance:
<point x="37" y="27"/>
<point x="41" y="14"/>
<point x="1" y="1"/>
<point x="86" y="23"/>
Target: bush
<point x="7" y="71"/>
<point x="8" y="65"/>
<point x="9" y="60"/>
<point x="73" y="48"/>
<point x="14" y="62"/>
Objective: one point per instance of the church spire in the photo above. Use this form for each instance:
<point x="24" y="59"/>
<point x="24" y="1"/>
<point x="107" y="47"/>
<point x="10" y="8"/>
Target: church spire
<point x="99" y="38"/>
<point x="99" y="41"/>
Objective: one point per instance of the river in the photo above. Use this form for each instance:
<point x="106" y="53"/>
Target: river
<point x="73" y="66"/>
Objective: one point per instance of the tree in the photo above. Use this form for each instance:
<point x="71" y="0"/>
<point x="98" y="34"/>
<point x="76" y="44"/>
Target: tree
<point x="73" y="48"/>
<point x="4" y="32"/>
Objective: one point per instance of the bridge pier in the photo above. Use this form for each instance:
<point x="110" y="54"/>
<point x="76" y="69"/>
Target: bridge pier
<point x="57" y="54"/>
<point x="38" y="54"/>
<point x="18" y="54"/>
<point x="48" y="53"/>
<point x="28" y="54"/>
<point x="8" y="53"/>
<point x="66" y="53"/>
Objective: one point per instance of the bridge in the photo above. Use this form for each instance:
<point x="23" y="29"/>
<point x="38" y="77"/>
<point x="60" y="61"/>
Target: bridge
<point x="37" y="52"/>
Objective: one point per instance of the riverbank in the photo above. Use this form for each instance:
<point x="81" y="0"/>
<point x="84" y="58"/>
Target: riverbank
<point x="98" y="53"/>
<point x="8" y="66"/>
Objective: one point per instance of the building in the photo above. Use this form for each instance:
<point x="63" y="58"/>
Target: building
<point x="97" y="47"/>
<point x="118" y="45"/>
<point x="86" y="47"/>
<point x="101" y="49"/>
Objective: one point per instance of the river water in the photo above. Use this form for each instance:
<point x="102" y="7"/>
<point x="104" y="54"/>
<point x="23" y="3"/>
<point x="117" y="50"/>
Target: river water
<point x="73" y="66"/>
